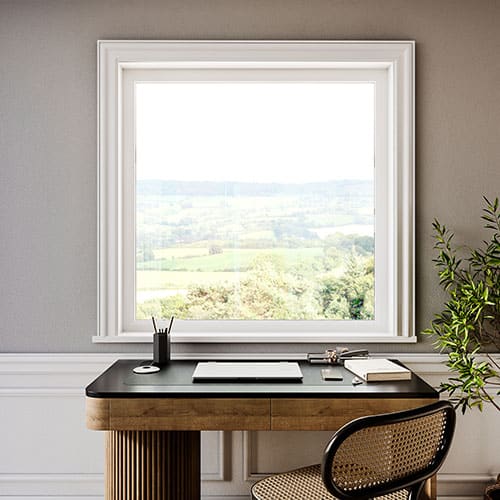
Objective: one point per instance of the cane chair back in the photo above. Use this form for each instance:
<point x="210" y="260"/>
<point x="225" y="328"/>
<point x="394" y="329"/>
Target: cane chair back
<point x="385" y="456"/>
<point x="377" y="455"/>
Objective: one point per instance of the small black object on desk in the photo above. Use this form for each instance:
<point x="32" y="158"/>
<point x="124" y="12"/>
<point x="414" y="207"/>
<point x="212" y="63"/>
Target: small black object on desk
<point x="161" y="343"/>
<point x="161" y="349"/>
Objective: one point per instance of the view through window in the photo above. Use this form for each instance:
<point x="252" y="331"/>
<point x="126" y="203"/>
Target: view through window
<point x="255" y="200"/>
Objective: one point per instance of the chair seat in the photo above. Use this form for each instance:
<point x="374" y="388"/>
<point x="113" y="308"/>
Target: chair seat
<point x="302" y="484"/>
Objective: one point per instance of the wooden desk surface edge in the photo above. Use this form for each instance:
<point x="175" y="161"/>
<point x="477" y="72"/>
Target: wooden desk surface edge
<point x="107" y="414"/>
<point x="97" y="414"/>
<point x="323" y="414"/>
<point x="179" y="414"/>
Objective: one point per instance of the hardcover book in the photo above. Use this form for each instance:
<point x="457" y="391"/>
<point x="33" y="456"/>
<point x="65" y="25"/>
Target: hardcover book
<point x="377" y="370"/>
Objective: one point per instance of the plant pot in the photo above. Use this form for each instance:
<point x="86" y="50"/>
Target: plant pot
<point x="492" y="492"/>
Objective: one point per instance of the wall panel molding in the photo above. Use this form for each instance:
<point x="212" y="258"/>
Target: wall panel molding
<point x="213" y="444"/>
<point x="69" y="459"/>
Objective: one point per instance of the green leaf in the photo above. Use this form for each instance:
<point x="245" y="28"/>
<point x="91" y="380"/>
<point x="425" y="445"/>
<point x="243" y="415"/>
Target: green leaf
<point x="471" y="315"/>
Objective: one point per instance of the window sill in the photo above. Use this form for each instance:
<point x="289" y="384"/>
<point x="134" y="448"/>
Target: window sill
<point x="260" y="338"/>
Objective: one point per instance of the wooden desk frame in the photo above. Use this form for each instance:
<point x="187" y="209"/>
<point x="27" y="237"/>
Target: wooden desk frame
<point x="153" y="444"/>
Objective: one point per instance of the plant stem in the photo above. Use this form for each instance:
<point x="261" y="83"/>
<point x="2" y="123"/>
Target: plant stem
<point x="492" y="360"/>
<point x="490" y="399"/>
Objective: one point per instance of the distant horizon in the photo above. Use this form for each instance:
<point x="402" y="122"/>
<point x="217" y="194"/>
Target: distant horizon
<point x="332" y="189"/>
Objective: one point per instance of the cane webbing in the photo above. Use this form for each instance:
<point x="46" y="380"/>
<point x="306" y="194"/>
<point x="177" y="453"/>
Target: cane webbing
<point x="302" y="484"/>
<point x="370" y="460"/>
<point x="374" y="456"/>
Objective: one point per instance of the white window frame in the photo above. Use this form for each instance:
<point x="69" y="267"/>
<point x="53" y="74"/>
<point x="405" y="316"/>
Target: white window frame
<point x="390" y="64"/>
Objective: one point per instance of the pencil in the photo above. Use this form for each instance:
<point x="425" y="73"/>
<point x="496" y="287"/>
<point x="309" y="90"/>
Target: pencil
<point x="154" y="324"/>
<point x="170" y="325"/>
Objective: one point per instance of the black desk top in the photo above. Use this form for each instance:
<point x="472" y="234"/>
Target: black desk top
<point x="174" y="380"/>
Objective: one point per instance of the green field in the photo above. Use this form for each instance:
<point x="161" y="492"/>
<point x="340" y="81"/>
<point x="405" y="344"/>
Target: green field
<point x="175" y="280"/>
<point x="198" y="259"/>
<point x="225" y="250"/>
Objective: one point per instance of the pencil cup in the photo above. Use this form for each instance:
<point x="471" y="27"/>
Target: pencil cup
<point x="161" y="348"/>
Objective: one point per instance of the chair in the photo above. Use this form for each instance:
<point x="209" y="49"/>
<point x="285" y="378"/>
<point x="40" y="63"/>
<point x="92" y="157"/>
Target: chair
<point x="389" y="456"/>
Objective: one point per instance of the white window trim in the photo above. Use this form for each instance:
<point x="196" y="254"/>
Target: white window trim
<point x="115" y="57"/>
<point x="383" y="262"/>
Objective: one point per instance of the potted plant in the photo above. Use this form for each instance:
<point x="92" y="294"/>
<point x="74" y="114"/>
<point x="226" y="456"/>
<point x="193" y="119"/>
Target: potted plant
<point x="468" y="327"/>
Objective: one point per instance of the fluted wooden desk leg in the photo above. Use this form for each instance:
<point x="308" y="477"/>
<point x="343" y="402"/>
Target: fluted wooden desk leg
<point x="152" y="465"/>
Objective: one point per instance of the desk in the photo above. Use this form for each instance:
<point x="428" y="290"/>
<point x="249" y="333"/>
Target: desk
<point x="153" y="422"/>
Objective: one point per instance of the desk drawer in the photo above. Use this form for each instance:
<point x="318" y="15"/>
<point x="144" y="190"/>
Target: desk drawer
<point x="331" y="414"/>
<point x="186" y="414"/>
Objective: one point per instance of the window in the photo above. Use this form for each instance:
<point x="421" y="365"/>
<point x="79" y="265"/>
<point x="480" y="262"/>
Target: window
<point x="258" y="191"/>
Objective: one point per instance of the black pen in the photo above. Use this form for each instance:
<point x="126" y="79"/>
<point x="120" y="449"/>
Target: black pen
<point x="154" y="324"/>
<point x="169" y="329"/>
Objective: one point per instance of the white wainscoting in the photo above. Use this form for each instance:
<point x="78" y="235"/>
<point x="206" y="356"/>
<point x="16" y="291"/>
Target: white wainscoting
<point x="46" y="452"/>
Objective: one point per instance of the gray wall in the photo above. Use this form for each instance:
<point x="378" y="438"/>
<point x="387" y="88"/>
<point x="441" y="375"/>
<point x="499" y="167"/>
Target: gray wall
<point x="48" y="133"/>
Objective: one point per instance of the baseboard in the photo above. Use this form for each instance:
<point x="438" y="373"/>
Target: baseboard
<point x="463" y="486"/>
<point x="71" y="486"/>
<point x="51" y="497"/>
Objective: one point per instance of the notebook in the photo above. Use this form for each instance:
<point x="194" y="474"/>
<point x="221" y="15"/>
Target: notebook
<point x="247" y="371"/>
<point x="377" y="370"/>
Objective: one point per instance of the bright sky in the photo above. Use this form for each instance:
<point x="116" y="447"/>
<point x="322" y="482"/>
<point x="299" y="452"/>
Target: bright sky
<point x="255" y="132"/>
